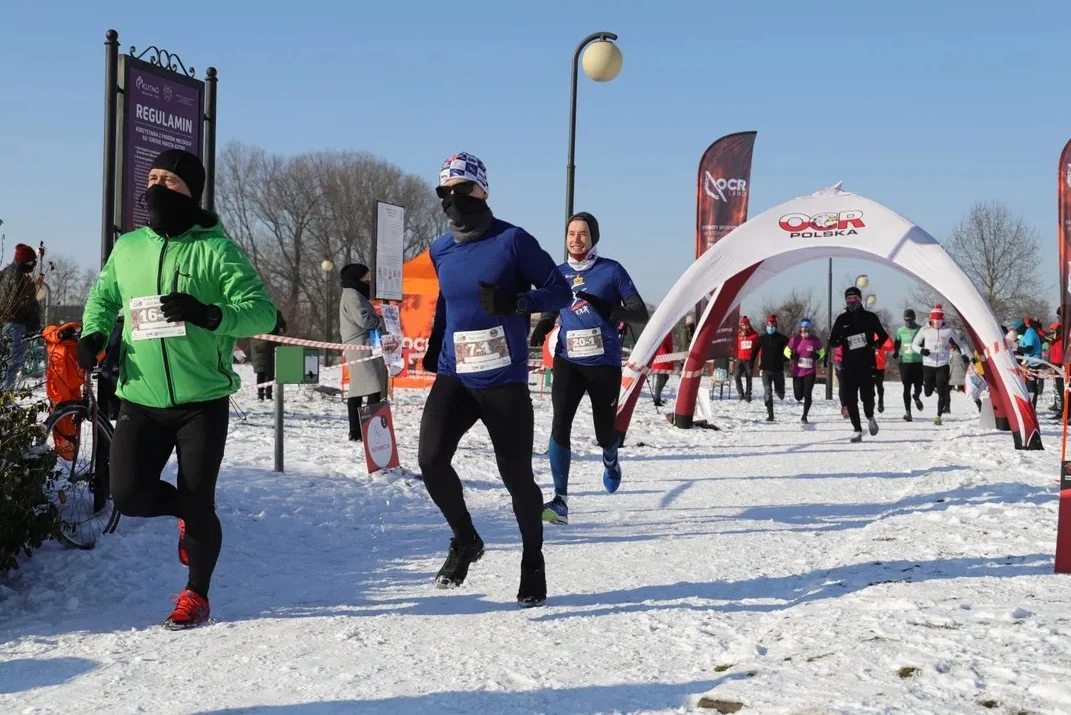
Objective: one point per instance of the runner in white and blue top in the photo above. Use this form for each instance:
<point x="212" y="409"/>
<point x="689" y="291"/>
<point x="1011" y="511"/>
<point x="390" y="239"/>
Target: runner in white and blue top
<point x="587" y="355"/>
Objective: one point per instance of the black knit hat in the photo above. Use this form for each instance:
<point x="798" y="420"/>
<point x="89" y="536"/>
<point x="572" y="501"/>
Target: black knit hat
<point x="852" y="290"/>
<point x="909" y="314"/>
<point x="593" y="224"/>
<point x="188" y="167"/>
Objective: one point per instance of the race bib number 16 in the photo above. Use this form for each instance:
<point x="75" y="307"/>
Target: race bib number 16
<point x="147" y="320"/>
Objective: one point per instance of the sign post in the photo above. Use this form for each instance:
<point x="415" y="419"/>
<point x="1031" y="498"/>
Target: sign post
<point x="294" y="365"/>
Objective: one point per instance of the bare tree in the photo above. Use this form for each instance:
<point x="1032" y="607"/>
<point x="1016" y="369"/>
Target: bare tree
<point x="791" y="309"/>
<point x="1000" y="253"/>
<point x="290" y="213"/>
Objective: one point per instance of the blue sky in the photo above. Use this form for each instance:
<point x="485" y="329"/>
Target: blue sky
<point x="925" y="107"/>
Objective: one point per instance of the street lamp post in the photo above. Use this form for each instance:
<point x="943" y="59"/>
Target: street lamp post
<point x="602" y="62"/>
<point x="327" y="266"/>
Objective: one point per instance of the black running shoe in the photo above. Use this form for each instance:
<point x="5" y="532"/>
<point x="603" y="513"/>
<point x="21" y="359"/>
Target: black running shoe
<point x="456" y="567"/>
<point x="918" y="403"/>
<point x="533" y="590"/>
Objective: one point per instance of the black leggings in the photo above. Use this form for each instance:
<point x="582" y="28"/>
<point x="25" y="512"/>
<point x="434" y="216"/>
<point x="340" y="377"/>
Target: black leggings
<point x="879" y="385"/>
<point x="743" y="371"/>
<point x="936" y="378"/>
<point x="506" y="411"/>
<point x="856" y="386"/>
<point x="802" y="388"/>
<point x="602" y="384"/>
<point x="353" y="409"/>
<point x="144" y="439"/>
<point x="911" y="376"/>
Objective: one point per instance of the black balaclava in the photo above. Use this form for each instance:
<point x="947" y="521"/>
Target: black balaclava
<point x="350" y="277"/>
<point x="852" y="290"/>
<point x="469" y="216"/>
<point x="909" y="317"/>
<point x="171" y="213"/>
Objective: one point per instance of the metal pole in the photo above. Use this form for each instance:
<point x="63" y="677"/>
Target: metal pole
<point x="829" y="350"/>
<point x="570" y="167"/>
<point x="278" y="427"/>
<point x="111" y="99"/>
<point x="210" y="139"/>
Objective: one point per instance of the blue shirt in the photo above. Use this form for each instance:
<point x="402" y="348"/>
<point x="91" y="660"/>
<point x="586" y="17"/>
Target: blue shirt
<point x="482" y="350"/>
<point x="1030" y="343"/>
<point x="593" y="339"/>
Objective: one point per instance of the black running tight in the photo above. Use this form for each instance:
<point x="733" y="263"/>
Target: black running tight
<point x="143" y="442"/>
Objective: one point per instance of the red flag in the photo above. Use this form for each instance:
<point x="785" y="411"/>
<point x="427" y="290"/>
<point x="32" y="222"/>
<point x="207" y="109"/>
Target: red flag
<point x="722" y="192"/>
<point x="1063" y="197"/>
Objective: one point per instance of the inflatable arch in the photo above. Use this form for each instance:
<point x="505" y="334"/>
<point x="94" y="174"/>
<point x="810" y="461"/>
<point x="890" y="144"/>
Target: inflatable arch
<point x="829" y="223"/>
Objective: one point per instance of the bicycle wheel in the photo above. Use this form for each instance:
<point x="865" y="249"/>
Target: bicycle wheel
<point x="80" y="488"/>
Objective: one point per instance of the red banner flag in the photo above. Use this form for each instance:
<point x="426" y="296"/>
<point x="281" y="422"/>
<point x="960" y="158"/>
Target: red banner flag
<point x="1063" y="197"/>
<point x="721" y="205"/>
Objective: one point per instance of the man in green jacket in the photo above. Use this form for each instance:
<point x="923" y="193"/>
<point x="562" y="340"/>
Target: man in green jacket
<point x="187" y="293"/>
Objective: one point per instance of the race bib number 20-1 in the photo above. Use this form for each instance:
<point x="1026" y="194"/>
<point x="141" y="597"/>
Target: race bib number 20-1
<point x="147" y="320"/>
<point x="584" y="343"/>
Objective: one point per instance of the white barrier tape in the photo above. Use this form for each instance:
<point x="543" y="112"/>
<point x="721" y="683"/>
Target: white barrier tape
<point x="310" y="343"/>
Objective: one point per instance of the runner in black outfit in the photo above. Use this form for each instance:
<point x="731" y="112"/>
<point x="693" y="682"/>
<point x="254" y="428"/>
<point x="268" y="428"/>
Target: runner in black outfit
<point x="858" y="332"/>
<point x="772" y="344"/>
<point x="479" y="348"/>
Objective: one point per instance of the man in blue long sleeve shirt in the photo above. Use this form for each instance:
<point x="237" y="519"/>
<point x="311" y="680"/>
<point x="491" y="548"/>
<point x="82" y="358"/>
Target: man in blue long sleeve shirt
<point x="492" y="276"/>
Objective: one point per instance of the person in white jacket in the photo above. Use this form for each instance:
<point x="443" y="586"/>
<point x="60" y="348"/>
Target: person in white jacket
<point x="934" y="342"/>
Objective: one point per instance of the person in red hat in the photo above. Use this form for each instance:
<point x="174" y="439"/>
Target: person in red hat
<point x="747" y="350"/>
<point x="20" y="313"/>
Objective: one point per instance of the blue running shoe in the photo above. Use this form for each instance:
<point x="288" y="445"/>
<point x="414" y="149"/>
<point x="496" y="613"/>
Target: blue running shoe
<point x="556" y="511"/>
<point x="611" y="476"/>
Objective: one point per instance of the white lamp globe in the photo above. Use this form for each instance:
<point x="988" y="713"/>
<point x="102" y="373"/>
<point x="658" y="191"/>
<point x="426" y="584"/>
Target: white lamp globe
<point x="862" y="282"/>
<point x="327" y="266"/>
<point x="602" y="61"/>
<point x="871" y="300"/>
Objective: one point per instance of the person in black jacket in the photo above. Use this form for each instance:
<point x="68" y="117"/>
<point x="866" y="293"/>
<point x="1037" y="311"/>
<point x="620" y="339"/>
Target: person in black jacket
<point x="772" y="345"/>
<point x="858" y="332"/>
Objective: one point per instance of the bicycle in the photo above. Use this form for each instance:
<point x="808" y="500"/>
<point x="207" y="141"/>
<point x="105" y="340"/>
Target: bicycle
<point x="81" y="436"/>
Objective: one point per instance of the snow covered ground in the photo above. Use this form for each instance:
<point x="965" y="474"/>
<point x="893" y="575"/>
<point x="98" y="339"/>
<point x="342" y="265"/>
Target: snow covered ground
<point x="770" y="566"/>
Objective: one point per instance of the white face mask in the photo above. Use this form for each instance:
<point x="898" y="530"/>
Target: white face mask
<point x="937" y="323"/>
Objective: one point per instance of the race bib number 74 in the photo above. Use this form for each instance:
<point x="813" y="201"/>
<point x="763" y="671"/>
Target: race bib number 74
<point x="147" y="320"/>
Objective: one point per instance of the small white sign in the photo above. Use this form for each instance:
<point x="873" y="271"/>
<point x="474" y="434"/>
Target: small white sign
<point x="390" y="247"/>
<point x="147" y="321"/>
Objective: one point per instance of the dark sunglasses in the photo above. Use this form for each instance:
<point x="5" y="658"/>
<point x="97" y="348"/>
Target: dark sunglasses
<point x="463" y="189"/>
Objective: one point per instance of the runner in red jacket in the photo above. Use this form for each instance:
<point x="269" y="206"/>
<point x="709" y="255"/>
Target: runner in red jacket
<point x="662" y="370"/>
<point x="747" y="350"/>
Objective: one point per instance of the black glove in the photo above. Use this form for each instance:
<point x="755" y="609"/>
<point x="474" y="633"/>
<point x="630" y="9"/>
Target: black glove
<point x="793" y="355"/>
<point x="539" y="335"/>
<point x="966" y="360"/>
<point x="925" y="352"/>
<point x="896" y="354"/>
<point x="184" y="307"/>
<point x="602" y="307"/>
<point x="430" y="361"/>
<point x="496" y="300"/>
<point x="89" y="347"/>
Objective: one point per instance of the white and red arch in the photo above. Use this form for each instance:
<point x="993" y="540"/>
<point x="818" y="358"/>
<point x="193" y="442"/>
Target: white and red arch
<point x="829" y="223"/>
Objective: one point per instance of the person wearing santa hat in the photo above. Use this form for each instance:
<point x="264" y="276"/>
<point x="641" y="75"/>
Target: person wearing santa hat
<point x="19" y="312"/>
<point x="934" y="343"/>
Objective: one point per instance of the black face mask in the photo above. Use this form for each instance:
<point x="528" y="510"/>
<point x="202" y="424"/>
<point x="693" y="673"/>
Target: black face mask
<point x="464" y="211"/>
<point x="364" y="288"/>
<point x="26" y="267"/>
<point x="170" y="213"/>
<point x="853" y="307"/>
